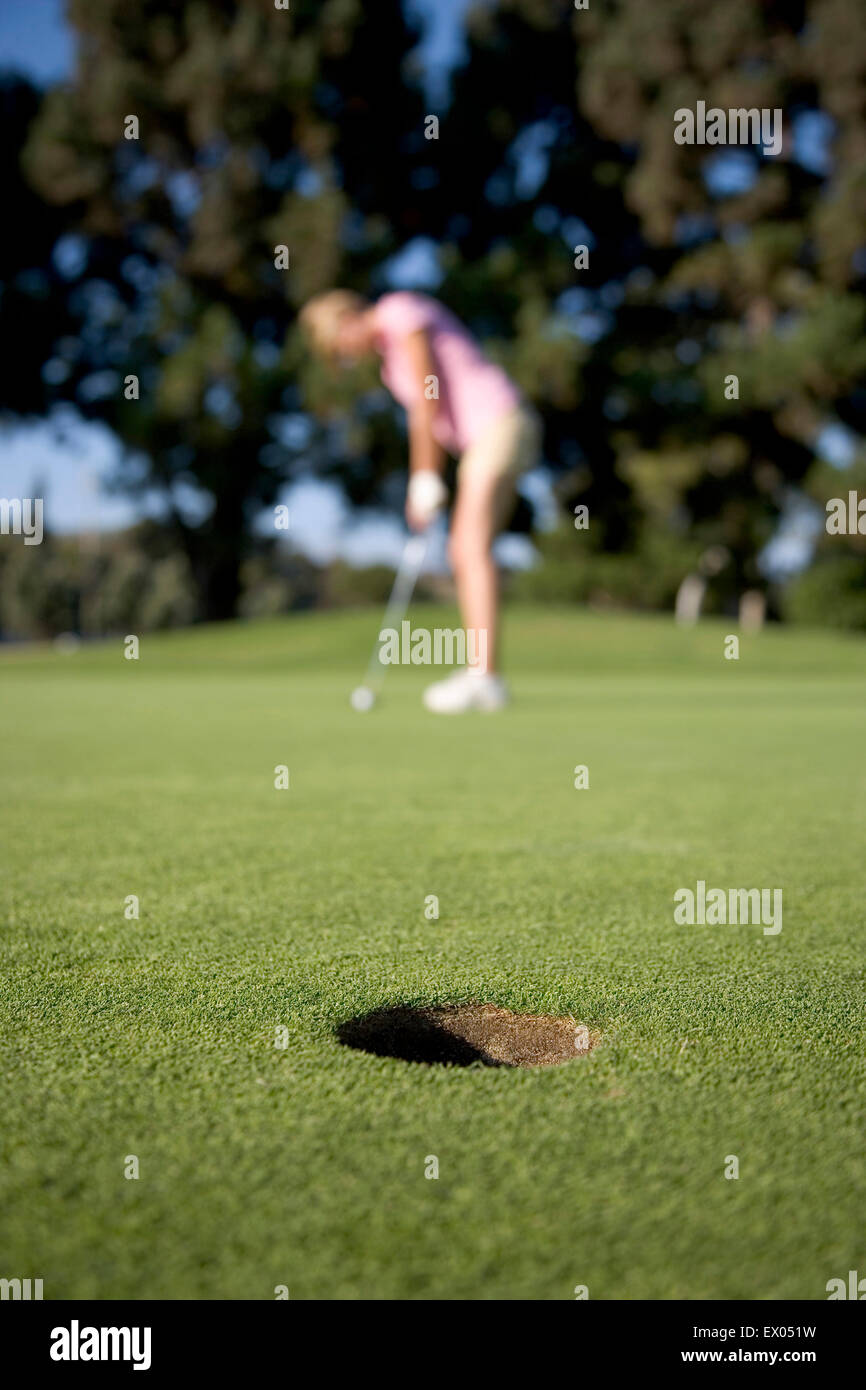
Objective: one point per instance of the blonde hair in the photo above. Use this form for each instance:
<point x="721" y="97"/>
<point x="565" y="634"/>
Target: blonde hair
<point x="321" y="315"/>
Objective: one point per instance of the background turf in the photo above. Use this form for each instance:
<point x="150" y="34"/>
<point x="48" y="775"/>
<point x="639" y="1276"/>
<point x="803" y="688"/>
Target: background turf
<point x="260" y="908"/>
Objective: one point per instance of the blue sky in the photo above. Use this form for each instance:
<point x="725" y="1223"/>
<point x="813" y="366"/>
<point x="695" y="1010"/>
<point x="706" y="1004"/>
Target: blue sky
<point x="35" y="39"/>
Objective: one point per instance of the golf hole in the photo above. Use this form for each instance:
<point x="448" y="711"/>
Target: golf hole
<point x="459" y="1035"/>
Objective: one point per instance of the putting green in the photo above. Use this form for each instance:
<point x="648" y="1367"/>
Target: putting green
<point x="200" y="1038"/>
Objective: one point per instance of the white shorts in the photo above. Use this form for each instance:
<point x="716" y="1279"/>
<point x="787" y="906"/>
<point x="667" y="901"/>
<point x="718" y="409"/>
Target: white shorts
<point x="508" y="447"/>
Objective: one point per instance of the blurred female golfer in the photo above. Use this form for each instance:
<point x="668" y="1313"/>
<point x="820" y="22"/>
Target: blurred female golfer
<point x="460" y="403"/>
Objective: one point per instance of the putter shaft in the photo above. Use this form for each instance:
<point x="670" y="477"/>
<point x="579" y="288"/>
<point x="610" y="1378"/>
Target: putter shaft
<point x="401" y="595"/>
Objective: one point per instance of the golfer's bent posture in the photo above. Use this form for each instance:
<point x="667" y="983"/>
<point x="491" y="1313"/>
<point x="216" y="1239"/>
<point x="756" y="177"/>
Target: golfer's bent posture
<point x="457" y="402"/>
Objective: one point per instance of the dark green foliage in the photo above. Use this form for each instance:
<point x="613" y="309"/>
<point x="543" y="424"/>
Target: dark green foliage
<point x="832" y="593"/>
<point x="306" y="128"/>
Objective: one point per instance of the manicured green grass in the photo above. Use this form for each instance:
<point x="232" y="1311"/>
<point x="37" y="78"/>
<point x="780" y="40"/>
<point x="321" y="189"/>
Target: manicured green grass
<point x="304" y="1166"/>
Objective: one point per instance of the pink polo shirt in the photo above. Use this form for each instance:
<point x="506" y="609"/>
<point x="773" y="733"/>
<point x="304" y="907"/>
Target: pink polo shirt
<point x="473" y="392"/>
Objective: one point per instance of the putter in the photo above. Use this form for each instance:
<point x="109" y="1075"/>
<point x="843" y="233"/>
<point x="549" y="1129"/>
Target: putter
<point x="365" y="696"/>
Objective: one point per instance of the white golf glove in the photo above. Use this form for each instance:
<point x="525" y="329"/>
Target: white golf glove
<point x="427" y="496"/>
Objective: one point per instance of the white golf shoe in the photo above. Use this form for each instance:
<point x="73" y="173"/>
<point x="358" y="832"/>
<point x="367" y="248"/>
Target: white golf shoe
<point x="467" y="689"/>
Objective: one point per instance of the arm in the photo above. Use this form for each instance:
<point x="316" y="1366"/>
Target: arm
<point x="425" y="452"/>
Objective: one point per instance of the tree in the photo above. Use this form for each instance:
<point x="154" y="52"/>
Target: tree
<point x="686" y="317"/>
<point x="193" y="143"/>
<point x="701" y="267"/>
<point x="33" y="309"/>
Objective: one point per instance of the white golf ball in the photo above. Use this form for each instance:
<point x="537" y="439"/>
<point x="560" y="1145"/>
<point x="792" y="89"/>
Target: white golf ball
<point x="362" y="698"/>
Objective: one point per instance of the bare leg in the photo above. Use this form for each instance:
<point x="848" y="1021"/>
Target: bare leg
<point x="482" y="499"/>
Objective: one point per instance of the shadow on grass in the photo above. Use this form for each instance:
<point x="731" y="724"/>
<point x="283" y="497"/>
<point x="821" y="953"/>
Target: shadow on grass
<point x="412" y="1035"/>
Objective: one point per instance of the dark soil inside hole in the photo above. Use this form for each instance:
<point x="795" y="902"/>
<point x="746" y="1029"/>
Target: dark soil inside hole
<point x="459" y="1034"/>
